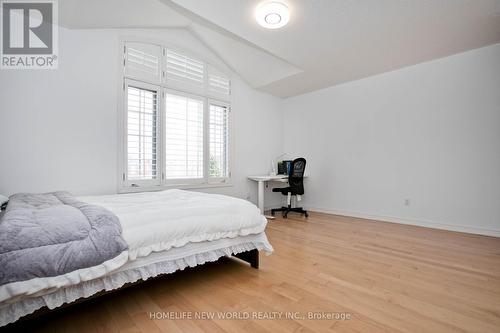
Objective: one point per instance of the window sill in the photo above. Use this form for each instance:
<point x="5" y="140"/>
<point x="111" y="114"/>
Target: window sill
<point x="129" y="189"/>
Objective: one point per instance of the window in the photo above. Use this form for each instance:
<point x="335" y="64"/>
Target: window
<point x="142" y="61"/>
<point x="141" y="133"/>
<point x="184" y="71"/>
<point x="218" y="161"/>
<point x="219" y="84"/>
<point x="183" y="137"/>
<point x="176" y="119"/>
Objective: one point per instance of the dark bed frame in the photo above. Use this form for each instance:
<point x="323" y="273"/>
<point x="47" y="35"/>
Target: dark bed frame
<point x="251" y="257"/>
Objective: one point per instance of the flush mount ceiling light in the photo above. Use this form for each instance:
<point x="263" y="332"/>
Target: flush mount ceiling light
<point x="272" y="14"/>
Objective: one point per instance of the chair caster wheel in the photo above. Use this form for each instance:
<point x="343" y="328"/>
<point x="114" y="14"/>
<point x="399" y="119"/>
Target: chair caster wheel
<point x="306" y="214"/>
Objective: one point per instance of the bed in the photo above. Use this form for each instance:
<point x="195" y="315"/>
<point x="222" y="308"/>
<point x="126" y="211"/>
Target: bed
<point x="161" y="232"/>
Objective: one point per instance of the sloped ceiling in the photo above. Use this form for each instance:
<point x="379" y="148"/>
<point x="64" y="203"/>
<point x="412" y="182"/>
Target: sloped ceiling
<point x="326" y="42"/>
<point x="254" y="64"/>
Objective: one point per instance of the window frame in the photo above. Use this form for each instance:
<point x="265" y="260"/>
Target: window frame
<point x="162" y="88"/>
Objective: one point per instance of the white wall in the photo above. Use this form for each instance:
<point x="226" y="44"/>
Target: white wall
<point x="429" y="133"/>
<point x="58" y="128"/>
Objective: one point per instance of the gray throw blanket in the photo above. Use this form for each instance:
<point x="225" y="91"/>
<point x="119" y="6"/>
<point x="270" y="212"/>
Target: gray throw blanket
<point x="46" y="235"/>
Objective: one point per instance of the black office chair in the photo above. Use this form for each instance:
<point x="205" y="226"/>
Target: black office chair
<point x="296" y="187"/>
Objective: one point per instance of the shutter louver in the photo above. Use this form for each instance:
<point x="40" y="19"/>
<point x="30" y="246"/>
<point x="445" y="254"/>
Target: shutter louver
<point x="141" y="134"/>
<point x="183" y="137"/>
<point x="185" y="72"/>
<point x="142" y="61"/>
<point x="219" y="83"/>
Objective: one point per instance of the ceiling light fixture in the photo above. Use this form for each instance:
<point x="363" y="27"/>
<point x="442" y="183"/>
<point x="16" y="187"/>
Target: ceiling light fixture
<point x="272" y="14"/>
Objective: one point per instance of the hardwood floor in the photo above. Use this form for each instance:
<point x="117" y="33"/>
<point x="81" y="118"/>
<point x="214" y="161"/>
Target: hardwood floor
<point x="387" y="277"/>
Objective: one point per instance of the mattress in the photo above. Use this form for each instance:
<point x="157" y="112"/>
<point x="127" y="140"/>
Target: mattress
<point x="159" y="221"/>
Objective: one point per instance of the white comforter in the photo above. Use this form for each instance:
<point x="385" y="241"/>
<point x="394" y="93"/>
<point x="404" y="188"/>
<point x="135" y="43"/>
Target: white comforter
<point x="158" y="221"/>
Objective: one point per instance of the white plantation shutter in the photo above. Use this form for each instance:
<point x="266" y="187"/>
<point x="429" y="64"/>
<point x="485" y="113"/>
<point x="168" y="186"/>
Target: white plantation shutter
<point x="142" y="61"/>
<point x="183" y="137"/>
<point x="176" y="119"/>
<point x="184" y="72"/>
<point x="218" y="142"/>
<point x="142" y="114"/>
<point x="219" y="84"/>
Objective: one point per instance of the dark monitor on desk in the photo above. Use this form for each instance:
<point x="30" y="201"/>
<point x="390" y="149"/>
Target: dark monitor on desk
<point x="284" y="167"/>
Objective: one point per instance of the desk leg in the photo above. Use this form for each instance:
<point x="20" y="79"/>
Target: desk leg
<point x="260" y="196"/>
<point x="260" y="199"/>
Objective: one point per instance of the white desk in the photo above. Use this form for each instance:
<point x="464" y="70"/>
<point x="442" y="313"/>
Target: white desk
<point x="261" y="180"/>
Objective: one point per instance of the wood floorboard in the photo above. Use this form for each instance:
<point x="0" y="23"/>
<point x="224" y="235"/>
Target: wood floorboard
<point x="387" y="277"/>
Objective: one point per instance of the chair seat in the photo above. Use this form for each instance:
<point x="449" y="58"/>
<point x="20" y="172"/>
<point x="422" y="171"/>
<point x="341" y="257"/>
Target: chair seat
<point x="286" y="190"/>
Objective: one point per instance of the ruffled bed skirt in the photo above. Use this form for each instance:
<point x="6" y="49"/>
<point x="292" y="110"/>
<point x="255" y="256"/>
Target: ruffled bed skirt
<point x="9" y="313"/>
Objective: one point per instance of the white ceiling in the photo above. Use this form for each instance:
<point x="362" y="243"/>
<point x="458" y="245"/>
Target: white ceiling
<point x="94" y="14"/>
<point x="326" y="42"/>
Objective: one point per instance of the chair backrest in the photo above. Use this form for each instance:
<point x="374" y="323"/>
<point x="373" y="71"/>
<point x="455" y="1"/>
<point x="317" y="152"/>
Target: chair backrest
<point x="296" y="176"/>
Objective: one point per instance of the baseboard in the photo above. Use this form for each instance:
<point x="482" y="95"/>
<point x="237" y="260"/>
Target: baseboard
<point x="420" y="223"/>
